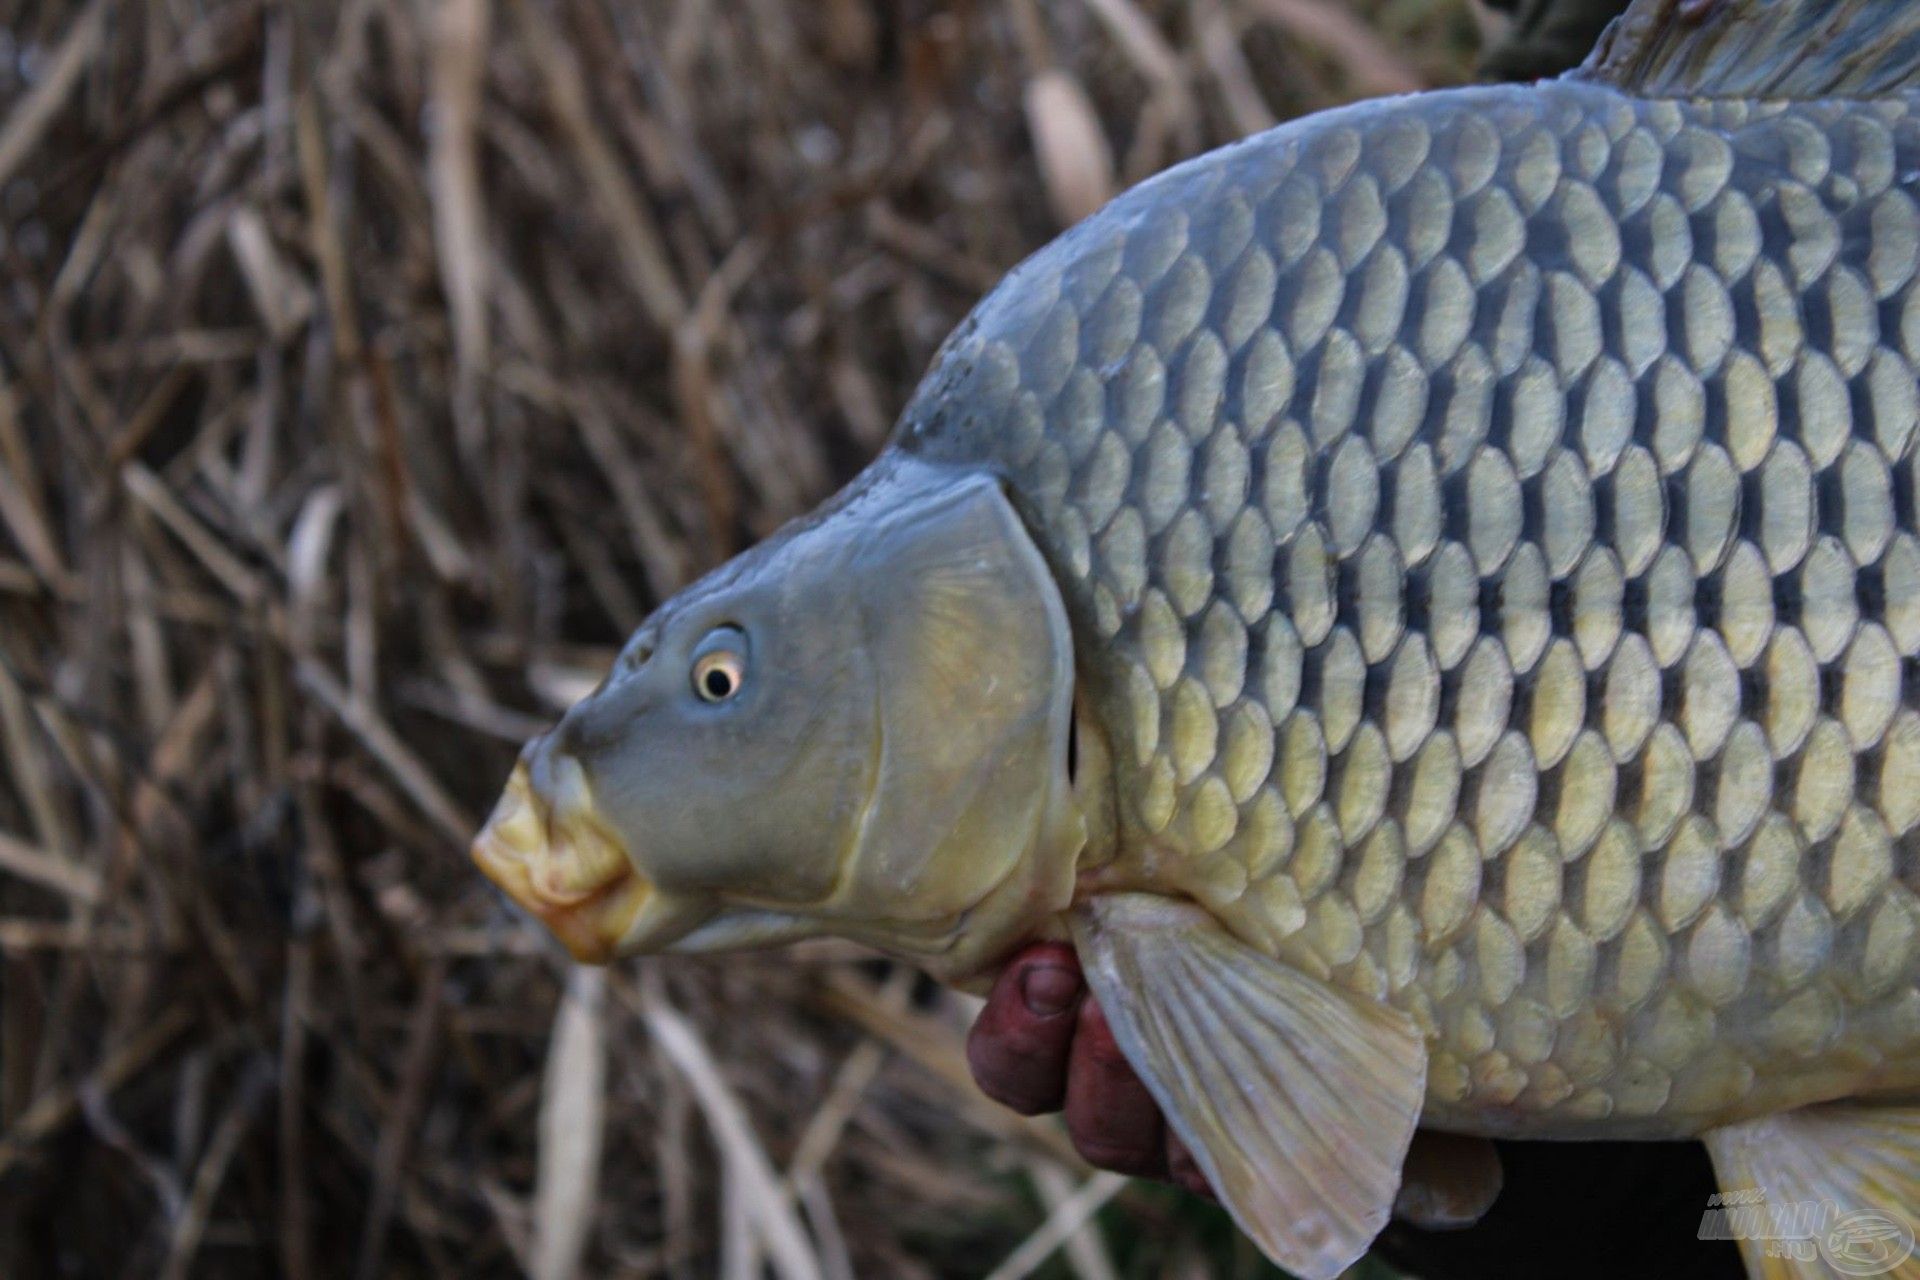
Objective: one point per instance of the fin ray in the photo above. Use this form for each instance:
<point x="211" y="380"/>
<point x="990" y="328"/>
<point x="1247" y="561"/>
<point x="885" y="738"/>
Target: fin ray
<point x="1863" y="1161"/>
<point x="1297" y="1100"/>
<point x="1797" y="49"/>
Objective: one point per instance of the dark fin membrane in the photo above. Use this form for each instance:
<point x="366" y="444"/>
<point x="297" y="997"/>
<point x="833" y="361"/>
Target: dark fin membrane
<point x="1797" y="49"/>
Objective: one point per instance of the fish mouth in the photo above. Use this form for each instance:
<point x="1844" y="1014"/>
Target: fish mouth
<point x="555" y="857"/>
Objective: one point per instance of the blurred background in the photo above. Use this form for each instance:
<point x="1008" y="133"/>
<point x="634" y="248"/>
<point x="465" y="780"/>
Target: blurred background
<point x="367" y="371"/>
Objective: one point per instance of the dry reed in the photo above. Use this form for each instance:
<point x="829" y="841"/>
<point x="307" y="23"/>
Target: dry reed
<point x="367" y="370"/>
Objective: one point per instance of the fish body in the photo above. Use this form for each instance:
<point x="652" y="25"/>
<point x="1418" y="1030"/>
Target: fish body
<point x="1487" y="520"/>
<point x="1426" y="599"/>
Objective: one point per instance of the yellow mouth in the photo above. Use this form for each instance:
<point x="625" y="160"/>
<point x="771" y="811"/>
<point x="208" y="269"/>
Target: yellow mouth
<point x="558" y="861"/>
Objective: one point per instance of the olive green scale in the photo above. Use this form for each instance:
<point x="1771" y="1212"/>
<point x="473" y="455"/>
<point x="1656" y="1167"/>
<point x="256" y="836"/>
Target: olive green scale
<point x="1488" y="524"/>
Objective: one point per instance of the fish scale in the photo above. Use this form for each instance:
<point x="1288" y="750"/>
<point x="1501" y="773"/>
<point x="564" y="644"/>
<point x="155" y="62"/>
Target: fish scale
<point x="1488" y="523"/>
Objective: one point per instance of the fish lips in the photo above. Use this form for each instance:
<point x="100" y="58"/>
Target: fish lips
<point x="548" y="849"/>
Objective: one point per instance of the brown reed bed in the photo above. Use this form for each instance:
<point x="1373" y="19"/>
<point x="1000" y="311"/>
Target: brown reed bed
<point x="367" y="370"/>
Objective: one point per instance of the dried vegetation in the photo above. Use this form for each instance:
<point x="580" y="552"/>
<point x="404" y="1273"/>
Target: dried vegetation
<point x="366" y="371"/>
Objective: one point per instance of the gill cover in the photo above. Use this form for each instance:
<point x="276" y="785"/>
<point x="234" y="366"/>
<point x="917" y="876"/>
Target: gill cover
<point x="973" y="664"/>
<point x="888" y="762"/>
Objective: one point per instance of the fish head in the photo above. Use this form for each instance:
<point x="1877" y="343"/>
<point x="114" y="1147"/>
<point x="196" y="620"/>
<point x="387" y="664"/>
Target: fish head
<point x="860" y="727"/>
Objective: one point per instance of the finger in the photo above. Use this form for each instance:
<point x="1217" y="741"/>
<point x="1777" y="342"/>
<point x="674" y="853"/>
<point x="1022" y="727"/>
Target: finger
<point x="1113" y="1120"/>
<point x="1019" y="1045"/>
<point x="1184" y="1170"/>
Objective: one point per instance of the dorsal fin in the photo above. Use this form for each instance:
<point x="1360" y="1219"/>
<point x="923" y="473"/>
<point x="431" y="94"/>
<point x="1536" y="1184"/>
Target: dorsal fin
<point x="1798" y="49"/>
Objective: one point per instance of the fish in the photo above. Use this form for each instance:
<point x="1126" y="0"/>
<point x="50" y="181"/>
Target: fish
<point x="1425" y="600"/>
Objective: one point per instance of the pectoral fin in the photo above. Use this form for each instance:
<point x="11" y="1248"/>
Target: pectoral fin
<point x="1449" y="1181"/>
<point x="1829" y="1190"/>
<point x="1297" y="1100"/>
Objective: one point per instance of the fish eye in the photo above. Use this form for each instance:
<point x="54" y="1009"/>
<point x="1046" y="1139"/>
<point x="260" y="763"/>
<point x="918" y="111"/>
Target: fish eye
<point x="719" y="667"/>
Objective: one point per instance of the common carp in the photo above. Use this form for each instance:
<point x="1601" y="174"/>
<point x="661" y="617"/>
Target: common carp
<point x="1426" y="599"/>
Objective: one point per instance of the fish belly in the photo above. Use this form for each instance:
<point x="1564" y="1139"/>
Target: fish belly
<point x="1488" y="523"/>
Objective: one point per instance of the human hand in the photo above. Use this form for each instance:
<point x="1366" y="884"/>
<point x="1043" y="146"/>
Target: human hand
<point x="1043" y="1045"/>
